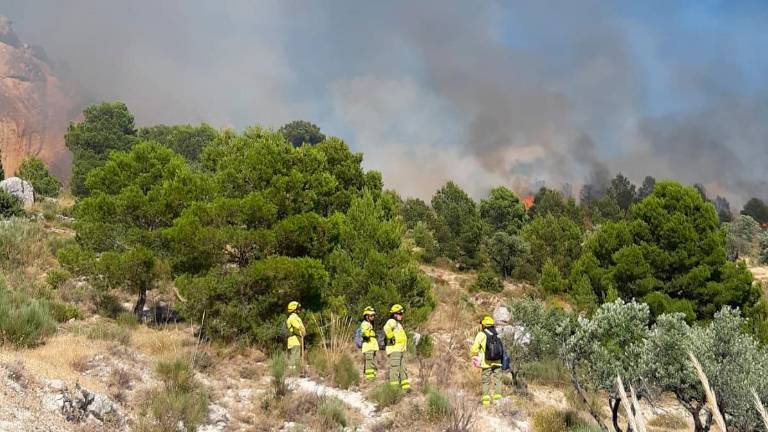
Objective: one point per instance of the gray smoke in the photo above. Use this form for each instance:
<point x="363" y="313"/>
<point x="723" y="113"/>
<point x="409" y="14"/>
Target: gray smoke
<point x="481" y="92"/>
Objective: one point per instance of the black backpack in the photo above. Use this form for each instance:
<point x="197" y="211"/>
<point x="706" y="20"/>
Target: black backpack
<point x="494" y="349"/>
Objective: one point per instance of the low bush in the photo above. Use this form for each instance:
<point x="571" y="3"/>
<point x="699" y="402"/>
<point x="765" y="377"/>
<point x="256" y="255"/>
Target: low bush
<point x="108" y="332"/>
<point x="127" y="320"/>
<point x="21" y="243"/>
<point x="24" y="322"/>
<point x="182" y="400"/>
<point x="278" y="368"/>
<point x="63" y="312"/>
<point x="57" y="277"/>
<point x="10" y="206"/>
<point x="438" y="405"/>
<point x="385" y="395"/>
<point x="331" y="413"/>
<point x="547" y="371"/>
<point x="345" y="373"/>
<point x="553" y="420"/>
<point x="488" y="281"/>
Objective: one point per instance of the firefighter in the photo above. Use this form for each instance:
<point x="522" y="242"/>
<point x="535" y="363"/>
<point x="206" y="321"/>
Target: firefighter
<point x="297" y="332"/>
<point x="397" y="342"/>
<point x="487" y="352"/>
<point x="369" y="343"/>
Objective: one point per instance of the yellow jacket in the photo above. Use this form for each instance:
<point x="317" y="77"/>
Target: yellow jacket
<point x="478" y="347"/>
<point x="296" y="327"/>
<point x="393" y="329"/>
<point x="372" y="344"/>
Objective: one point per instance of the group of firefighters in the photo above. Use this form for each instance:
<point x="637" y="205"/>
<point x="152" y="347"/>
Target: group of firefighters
<point x="486" y="351"/>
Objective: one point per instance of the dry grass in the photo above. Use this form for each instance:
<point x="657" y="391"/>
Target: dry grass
<point x="668" y="421"/>
<point x="56" y="358"/>
<point x="171" y="341"/>
<point x="760" y="408"/>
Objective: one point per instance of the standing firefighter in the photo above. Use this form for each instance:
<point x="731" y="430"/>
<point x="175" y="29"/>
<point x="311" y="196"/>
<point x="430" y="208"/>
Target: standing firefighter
<point x="365" y="338"/>
<point x="296" y="339"/>
<point x="397" y="342"/>
<point x="488" y="353"/>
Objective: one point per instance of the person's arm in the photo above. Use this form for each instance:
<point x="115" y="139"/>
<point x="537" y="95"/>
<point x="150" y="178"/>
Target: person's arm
<point x="300" y="326"/>
<point x="477" y="345"/>
<point x="389" y="331"/>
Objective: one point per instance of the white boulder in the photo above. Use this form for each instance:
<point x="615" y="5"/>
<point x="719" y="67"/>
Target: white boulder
<point x="19" y="188"/>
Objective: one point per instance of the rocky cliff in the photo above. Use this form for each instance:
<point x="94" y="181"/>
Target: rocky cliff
<point x="35" y="108"/>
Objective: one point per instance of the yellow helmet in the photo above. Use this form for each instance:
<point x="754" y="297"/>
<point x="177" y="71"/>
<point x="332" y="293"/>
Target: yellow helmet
<point x="292" y="306"/>
<point x="487" y="321"/>
<point x="369" y="311"/>
<point x="396" y="309"/>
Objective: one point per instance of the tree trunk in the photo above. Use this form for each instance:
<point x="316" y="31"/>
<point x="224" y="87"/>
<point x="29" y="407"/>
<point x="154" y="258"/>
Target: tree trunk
<point x="595" y="415"/>
<point x="142" y="300"/>
<point x="615" y="404"/>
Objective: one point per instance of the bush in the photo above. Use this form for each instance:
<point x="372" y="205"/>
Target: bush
<point x="182" y="399"/>
<point x="331" y="413"/>
<point x="108" y="332"/>
<point x="24" y="322"/>
<point x="127" y="320"/>
<point x="487" y="281"/>
<point x="36" y="173"/>
<point x="385" y="395"/>
<point x="552" y="420"/>
<point x="278" y="367"/>
<point x="345" y="374"/>
<point x="21" y="243"/>
<point x="551" y="278"/>
<point x="668" y="421"/>
<point x="438" y="405"/>
<point x="10" y="206"/>
<point x="63" y="312"/>
<point x="57" y="277"/>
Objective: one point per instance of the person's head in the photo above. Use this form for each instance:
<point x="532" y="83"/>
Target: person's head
<point x="294" y="306"/>
<point x="397" y="312"/>
<point x="487" y="321"/>
<point x="369" y="314"/>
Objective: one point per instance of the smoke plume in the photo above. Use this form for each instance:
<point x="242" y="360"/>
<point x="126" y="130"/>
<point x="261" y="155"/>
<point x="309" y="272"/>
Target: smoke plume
<point x="481" y="92"/>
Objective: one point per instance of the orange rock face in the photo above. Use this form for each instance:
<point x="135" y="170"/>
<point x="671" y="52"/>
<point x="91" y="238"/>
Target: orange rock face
<point x="35" y="110"/>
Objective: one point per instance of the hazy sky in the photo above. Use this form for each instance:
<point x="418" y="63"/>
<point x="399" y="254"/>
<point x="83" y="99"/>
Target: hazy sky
<point x="481" y="92"/>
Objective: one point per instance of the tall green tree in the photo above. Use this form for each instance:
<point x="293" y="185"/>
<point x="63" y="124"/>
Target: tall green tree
<point x="502" y="211"/>
<point x="36" y="173"/>
<point x="299" y="132"/>
<point x="186" y="140"/>
<point x="649" y="183"/>
<point x="105" y="127"/>
<point x="459" y="227"/>
<point x="371" y="267"/>
<point x="553" y="238"/>
<point x="674" y="246"/>
<point x="622" y="191"/>
<point x="757" y="210"/>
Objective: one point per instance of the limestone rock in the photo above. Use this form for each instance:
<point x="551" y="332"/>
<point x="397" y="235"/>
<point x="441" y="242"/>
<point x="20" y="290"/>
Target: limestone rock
<point x="20" y="189"/>
<point x="501" y="315"/>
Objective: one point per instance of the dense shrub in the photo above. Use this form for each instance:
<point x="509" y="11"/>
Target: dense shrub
<point x="36" y="173"/>
<point x="345" y="372"/>
<point x="24" y="322"/>
<point x="488" y="281"/>
<point x="385" y="395"/>
<point x="331" y="413"/>
<point x="438" y="405"/>
<point x="182" y="400"/>
<point x="63" y="312"/>
<point x="10" y="205"/>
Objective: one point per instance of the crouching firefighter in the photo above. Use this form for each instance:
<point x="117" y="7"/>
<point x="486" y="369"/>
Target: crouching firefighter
<point x="397" y="342"/>
<point x="296" y="331"/>
<point x="365" y="339"/>
<point x="488" y="352"/>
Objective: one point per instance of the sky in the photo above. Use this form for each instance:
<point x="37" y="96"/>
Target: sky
<point x="482" y="92"/>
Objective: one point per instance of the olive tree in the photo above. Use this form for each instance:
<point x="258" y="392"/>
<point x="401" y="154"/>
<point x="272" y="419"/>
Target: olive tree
<point x="607" y="345"/>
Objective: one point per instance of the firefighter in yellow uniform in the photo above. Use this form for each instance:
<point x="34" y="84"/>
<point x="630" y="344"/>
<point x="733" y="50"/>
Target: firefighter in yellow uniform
<point x="397" y="342"/>
<point x="296" y="339"/>
<point x="491" y="369"/>
<point x="370" y="344"/>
